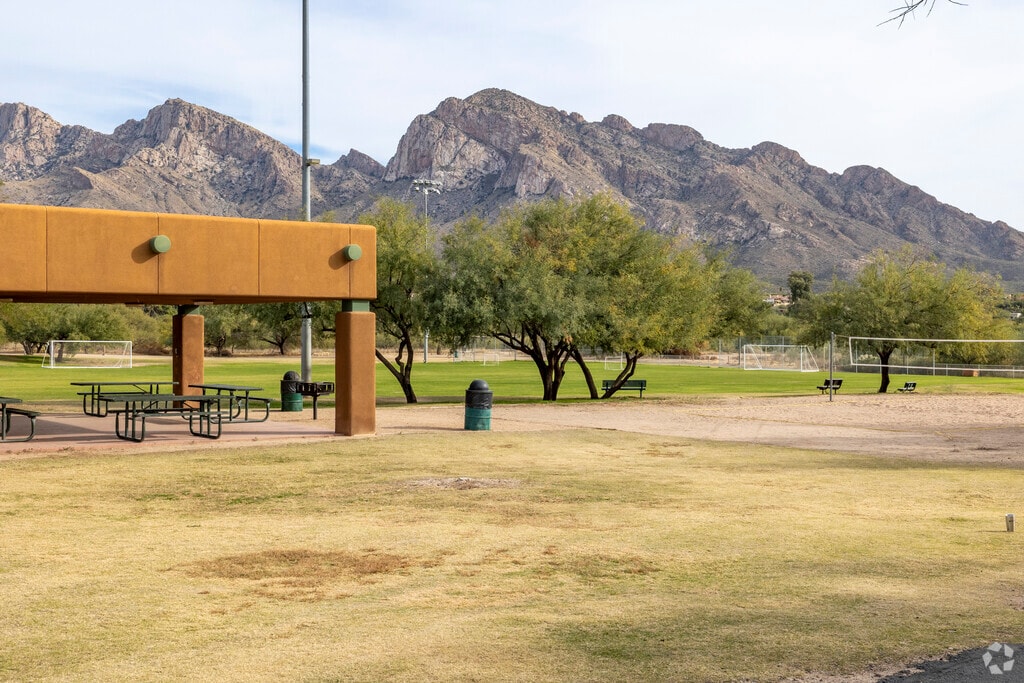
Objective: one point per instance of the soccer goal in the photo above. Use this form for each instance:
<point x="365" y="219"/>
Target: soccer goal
<point x="791" y="357"/>
<point x="614" y="362"/>
<point x="87" y="353"/>
<point x="940" y="356"/>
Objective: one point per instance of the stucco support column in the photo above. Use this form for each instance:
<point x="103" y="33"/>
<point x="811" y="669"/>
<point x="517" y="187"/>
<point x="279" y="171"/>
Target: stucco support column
<point x="187" y="334"/>
<point x="355" y="370"/>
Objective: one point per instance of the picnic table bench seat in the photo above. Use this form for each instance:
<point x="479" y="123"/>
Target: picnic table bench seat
<point x="244" y="402"/>
<point x="31" y="415"/>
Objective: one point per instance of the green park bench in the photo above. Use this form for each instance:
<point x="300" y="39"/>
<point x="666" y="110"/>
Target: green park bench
<point x="629" y="385"/>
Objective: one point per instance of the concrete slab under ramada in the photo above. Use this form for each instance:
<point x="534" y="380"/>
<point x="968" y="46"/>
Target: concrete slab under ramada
<point x="67" y="432"/>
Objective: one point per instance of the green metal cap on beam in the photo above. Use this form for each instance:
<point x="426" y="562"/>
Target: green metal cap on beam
<point x="352" y="252"/>
<point x="355" y="306"/>
<point x="161" y="244"/>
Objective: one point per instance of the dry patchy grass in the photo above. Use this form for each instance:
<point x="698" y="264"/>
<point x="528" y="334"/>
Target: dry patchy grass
<point x="481" y="556"/>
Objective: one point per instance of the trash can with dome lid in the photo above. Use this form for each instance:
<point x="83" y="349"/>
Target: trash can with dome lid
<point x="479" y="399"/>
<point x="291" y="399"/>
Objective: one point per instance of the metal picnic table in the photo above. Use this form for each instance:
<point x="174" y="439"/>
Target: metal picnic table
<point x="204" y="412"/>
<point x="91" y="405"/>
<point x="239" y="397"/>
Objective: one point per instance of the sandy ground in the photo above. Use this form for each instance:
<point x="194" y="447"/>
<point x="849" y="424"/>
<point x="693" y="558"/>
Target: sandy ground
<point x="980" y="428"/>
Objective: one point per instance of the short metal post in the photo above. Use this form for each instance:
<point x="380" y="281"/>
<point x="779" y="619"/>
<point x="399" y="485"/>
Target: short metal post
<point x="831" y="365"/>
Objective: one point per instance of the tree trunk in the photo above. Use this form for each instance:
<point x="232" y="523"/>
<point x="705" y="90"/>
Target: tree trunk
<point x="883" y="358"/>
<point x="279" y="343"/>
<point x="548" y="376"/>
<point x="401" y="369"/>
<point x="589" y="376"/>
<point x="624" y="374"/>
<point x="550" y="359"/>
<point x="552" y="369"/>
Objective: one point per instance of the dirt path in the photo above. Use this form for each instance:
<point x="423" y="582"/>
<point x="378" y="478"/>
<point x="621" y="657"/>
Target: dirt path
<point x="980" y="428"/>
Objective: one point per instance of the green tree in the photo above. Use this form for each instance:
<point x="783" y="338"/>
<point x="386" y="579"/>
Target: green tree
<point x="150" y="328"/>
<point x="405" y="262"/>
<point x="96" y="321"/>
<point x="554" y="277"/>
<point x="34" y="325"/>
<point x="645" y="295"/>
<point x="904" y="295"/>
<point x="30" y="325"/>
<point x="740" y="308"/>
<point x="501" y="280"/>
<point x="461" y="303"/>
<point x="277" y="324"/>
<point x="801" y="285"/>
<point x="228" y="326"/>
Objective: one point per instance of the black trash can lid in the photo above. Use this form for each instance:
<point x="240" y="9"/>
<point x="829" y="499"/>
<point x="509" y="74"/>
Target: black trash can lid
<point x="479" y="385"/>
<point x="291" y="375"/>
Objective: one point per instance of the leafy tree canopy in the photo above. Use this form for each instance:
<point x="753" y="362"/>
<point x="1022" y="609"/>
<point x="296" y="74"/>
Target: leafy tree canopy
<point x="405" y="262"/>
<point x="904" y="295"/>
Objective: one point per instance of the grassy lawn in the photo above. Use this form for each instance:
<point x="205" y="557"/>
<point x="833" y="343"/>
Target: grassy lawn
<point x="484" y="556"/>
<point x="510" y="380"/>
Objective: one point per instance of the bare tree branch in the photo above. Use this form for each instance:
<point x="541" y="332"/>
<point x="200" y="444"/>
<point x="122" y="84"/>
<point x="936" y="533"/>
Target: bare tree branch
<point x="900" y="14"/>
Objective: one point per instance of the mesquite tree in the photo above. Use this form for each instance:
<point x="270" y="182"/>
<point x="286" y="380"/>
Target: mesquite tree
<point x="905" y="295"/>
<point x="900" y="14"/>
<point x="405" y="262"/>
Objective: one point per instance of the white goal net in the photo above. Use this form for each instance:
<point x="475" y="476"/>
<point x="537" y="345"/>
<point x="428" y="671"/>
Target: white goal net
<point x="791" y="357"/>
<point x="940" y="356"/>
<point x="82" y="353"/>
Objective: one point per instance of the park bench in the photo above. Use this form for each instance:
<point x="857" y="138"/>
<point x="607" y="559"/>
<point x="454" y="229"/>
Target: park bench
<point x="830" y="385"/>
<point x="629" y="385"/>
<point x="908" y="387"/>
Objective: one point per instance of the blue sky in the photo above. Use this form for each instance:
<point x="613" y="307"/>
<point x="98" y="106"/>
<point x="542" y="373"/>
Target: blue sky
<point x="937" y="102"/>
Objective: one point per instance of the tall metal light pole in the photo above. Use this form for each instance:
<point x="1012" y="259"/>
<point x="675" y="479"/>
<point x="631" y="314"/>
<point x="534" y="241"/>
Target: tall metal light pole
<point x="426" y="187"/>
<point x="307" y="319"/>
<point x="305" y="110"/>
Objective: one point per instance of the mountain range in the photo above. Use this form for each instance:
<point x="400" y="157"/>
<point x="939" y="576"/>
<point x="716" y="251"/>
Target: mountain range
<point x="768" y="208"/>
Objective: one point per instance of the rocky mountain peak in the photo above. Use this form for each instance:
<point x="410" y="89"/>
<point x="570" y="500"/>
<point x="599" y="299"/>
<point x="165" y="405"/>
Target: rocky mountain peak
<point x="770" y="209"/>
<point x="362" y="163"/>
<point x="672" y="136"/>
<point x="29" y="139"/>
<point x="178" y="134"/>
<point x="619" y="123"/>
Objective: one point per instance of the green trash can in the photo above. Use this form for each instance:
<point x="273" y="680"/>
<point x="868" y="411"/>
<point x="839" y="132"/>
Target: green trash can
<point x="479" y="398"/>
<point x="291" y="399"/>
